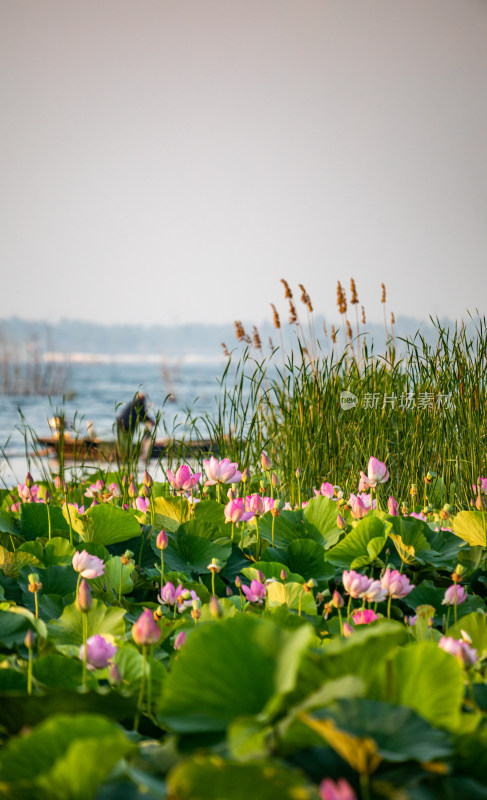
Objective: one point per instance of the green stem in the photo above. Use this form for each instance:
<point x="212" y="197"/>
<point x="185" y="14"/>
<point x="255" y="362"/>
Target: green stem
<point x="341" y="621"/>
<point x="273" y="523"/>
<point x="48" y="520"/>
<point x="364" y="786"/>
<point x="85" y="649"/>
<point x="141" y="690"/>
<point x="29" y="671"/>
<point x="120" y="585"/>
<point x="233" y="531"/>
<point x="389" y="606"/>
<point x="69" y="520"/>
<point x="162" y="568"/>
<point x="348" y="607"/>
<point x="77" y="585"/>
<point x="149" y="681"/>
<point x="213" y="583"/>
<point x="141" y="548"/>
<point x="36" y="601"/>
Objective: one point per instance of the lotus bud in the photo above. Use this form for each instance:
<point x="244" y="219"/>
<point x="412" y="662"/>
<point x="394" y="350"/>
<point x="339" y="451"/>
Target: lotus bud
<point x="231" y="494"/>
<point x="147" y="479"/>
<point x="245" y="475"/>
<point x="132" y="489"/>
<point x="260" y="576"/>
<point x="238" y="582"/>
<point x="478" y="503"/>
<point x="274" y="480"/>
<point x="265" y="462"/>
<point x="125" y="481"/>
<point x="337" y="600"/>
<point x="393" y="507"/>
<point x="341" y="522"/>
<point x="29" y="640"/>
<point x="114" y="675"/>
<point x="29" y="480"/>
<point x="215" y="607"/>
<point x="84" y="600"/>
<point x="180" y="640"/>
<point x="162" y="541"/>
<point x="47" y="497"/>
<point x="145" y="630"/>
<point x="298" y="473"/>
<point x="57" y="482"/>
<point x="283" y="575"/>
<point x="347" y="630"/>
<point x="146" y="490"/>
<point x="228" y="591"/>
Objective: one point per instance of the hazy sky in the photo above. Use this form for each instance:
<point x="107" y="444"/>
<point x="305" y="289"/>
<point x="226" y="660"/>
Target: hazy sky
<point x="170" y="160"/>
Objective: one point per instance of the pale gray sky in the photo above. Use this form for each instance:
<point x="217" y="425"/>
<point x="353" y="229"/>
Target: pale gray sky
<point x="170" y="160"/>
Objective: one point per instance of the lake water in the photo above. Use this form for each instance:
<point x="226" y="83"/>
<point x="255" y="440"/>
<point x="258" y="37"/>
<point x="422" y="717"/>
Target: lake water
<point x="97" y="390"/>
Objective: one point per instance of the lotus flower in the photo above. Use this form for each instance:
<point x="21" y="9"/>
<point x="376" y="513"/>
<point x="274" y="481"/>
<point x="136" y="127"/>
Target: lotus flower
<point x="255" y="505"/>
<point x="325" y="490"/>
<point x="359" y="510"/>
<point x="234" y="510"/>
<point x="221" y="471"/>
<point x="393" y="507"/>
<point x="377" y="472"/>
<point x="355" y="584"/>
<point x="395" y="584"/>
<point x="180" y="641"/>
<point x="256" y="592"/>
<point x="364" y="616"/>
<point x="99" y="651"/>
<point x="145" y="630"/>
<point x="375" y="593"/>
<point x="459" y="648"/>
<point x="341" y="790"/>
<point x="183" y="480"/>
<point x="454" y="595"/>
<point x="141" y="504"/>
<point x="88" y="566"/>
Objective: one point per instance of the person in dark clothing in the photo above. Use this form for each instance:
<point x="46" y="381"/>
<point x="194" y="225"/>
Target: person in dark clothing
<point x="131" y="416"/>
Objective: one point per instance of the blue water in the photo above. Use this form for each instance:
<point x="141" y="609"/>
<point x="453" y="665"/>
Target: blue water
<point x="96" y="391"/>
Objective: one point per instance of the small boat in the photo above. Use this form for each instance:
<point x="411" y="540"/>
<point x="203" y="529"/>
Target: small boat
<point x="71" y="448"/>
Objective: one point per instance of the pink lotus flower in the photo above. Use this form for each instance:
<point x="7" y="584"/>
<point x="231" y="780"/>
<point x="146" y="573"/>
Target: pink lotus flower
<point x="234" y="510"/>
<point x="88" y="566"/>
<point x="364" y="616"/>
<point x="180" y="641"/>
<point x="455" y="595"/>
<point x="221" y="471"/>
<point x="168" y="595"/>
<point x="255" y="505"/>
<point x="393" y="507"/>
<point x="162" y="541"/>
<point x="141" y="504"/>
<point x="482" y="482"/>
<point x="256" y="592"/>
<point x="459" y="648"/>
<point x="94" y="489"/>
<point x="355" y="584"/>
<point x="419" y="515"/>
<point x="77" y="508"/>
<point x="325" y="490"/>
<point x="375" y="593"/>
<point x="265" y="462"/>
<point x="359" y="510"/>
<point x="377" y="472"/>
<point x="347" y="630"/>
<point x="99" y="651"/>
<point x="365" y="499"/>
<point x="395" y="584"/>
<point x="145" y="630"/>
<point x="179" y="597"/>
<point x="341" y="790"/>
<point x="183" y="480"/>
<point x="268" y="504"/>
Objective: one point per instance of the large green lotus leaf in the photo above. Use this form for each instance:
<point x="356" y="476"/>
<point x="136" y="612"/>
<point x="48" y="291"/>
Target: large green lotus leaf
<point x="55" y="579"/>
<point x="471" y="526"/>
<point x="11" y="680"/>
<point x="408" y="535"/>
<point x="109" y="583"/>
<point x="68" y="629"/>
<point x="8" y="523"/>
<point x="398" y="732"/>
<point x="170" y="512"/>
<point x="270" y="569"/>
<point x="411" y="678"/>
<point x="58" y="672"/>
<point x="34" y="548"/>
<point x="428" y="594"/>
<point x="26" y="711"/>
<point x="34" y="520"/>
<point x="233" y="668"/>
<point x="130" y="663"/>
<point x="475" y="625"/>
<point x="291" y="594"/>
<point x="471" y="755"/>
<point x="187" y="553"/>
<point x="287" y="527"/>
<point x="201" y="528"/>
<point x="320" y="516"/>
<point x="58" y="551"/>
<point x="106" y="524"/>
<point x="248" y="738"/>
<point x="11" y="563"/>
<point x="212" y="778"/>
<point x="212" y="514"/>
<point x="51" y="761"/>
<point x="306" y="557"/>
<point x="13" y="628"/>
<point x="362" y="653"/>
<point x="361" y="546"/>
<point x="444" y="549"/>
